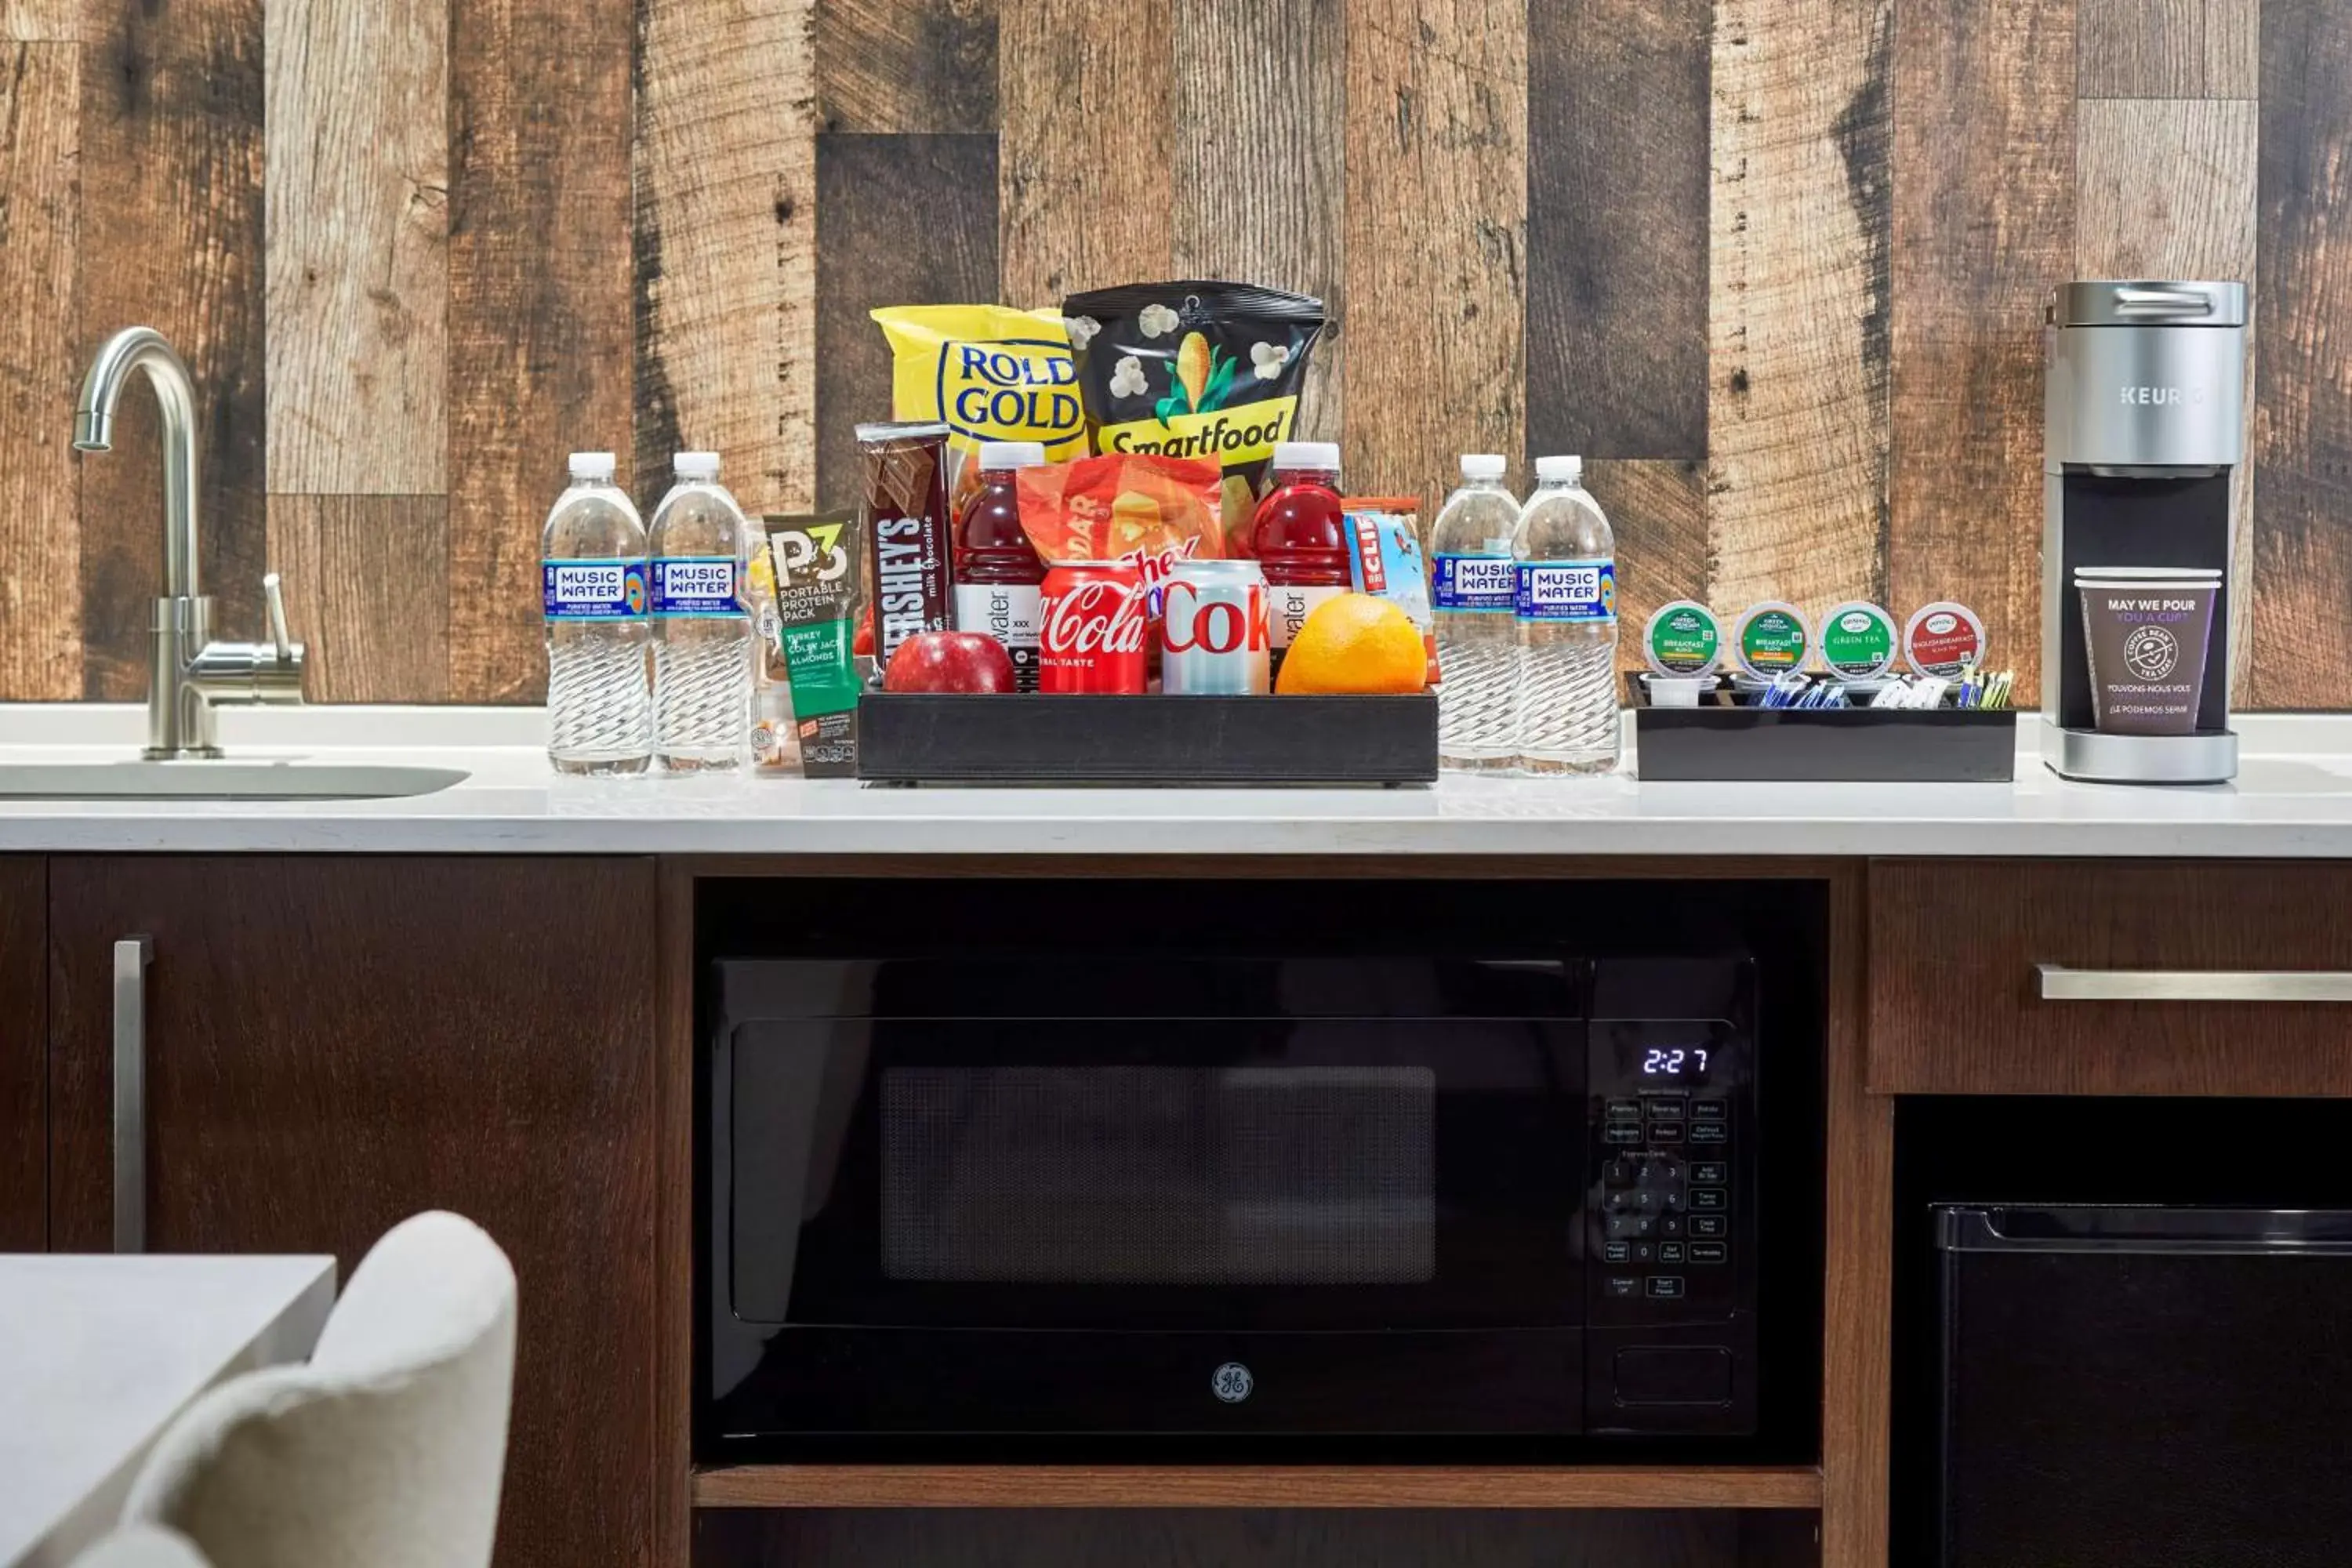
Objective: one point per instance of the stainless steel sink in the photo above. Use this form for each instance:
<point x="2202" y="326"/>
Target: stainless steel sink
<point x="215" y="779"/>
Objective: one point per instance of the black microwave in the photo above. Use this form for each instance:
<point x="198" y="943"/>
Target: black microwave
<point x="1262" y="1161"/>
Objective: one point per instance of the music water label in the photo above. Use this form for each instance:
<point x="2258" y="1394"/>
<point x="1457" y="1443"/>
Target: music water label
<point x="592" y="590"/>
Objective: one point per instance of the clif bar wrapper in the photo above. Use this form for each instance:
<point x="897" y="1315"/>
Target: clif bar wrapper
<point x="1386" y="561"/>
<point x="905" y="520"/>
<point x="816" y="584"/>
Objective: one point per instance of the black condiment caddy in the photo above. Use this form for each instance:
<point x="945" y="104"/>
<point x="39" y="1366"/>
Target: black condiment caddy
<point x="1724" y="740"/>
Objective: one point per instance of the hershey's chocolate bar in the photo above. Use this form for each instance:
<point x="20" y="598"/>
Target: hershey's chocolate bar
<point x="905" y="516"/>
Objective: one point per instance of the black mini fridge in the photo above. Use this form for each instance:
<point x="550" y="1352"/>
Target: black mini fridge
<point x="2129" y="1387"/>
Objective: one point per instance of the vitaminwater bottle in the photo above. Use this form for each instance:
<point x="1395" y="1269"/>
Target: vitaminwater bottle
<point x="703" y="636"/>
<point x="1477" y="642"/>
<point x="1564" y="602"/>
<point x="600" y="712"/>
<point x="997" y="573"/>
<point x="1300" y="538"/>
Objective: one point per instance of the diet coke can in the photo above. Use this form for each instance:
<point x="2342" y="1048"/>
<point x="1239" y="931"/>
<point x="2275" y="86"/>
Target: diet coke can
<point x="1214" y="641"/>
<point x="1092" y="616"/>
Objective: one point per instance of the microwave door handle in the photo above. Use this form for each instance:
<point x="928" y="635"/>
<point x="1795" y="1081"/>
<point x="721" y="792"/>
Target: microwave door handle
<point x="2060" y="984"/>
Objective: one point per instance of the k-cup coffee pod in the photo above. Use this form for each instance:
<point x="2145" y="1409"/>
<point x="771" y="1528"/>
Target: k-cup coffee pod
<point x="1857" y="641"/>
<point x="1770" y="640"/>
<point x="2146" y="638"/>
<point x="1681" y="640"/>
<point x="1676" y="690"/>
<point x="1943" y="638"/>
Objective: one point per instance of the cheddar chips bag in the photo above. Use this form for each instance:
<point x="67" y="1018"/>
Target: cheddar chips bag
<point x="1195" y="370"/>
<point x="990" y="374"/>
<point x="1147" y="510"/>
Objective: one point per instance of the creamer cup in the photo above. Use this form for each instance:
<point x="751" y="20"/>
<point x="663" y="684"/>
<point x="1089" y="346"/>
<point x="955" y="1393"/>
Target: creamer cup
<point x="1676" y="690"/>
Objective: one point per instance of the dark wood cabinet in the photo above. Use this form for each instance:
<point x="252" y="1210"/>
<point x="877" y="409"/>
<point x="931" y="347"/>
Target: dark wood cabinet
<point x="1956" y="994"/>
<point x="23" y="1055"/>
<point x="332" y="1044"/>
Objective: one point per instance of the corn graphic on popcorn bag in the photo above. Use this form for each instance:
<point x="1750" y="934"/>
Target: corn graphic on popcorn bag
<point x="990" y="374"/>
<point x="1195" y="370"/>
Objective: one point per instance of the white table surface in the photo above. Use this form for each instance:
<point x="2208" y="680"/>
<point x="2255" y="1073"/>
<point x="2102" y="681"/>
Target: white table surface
<point x="99" y="1353"/>
<point x="2293" y="798"/>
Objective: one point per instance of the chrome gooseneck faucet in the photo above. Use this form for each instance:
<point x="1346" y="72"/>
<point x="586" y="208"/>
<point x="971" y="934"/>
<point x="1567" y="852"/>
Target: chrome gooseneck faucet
<point x="188" y="673"/>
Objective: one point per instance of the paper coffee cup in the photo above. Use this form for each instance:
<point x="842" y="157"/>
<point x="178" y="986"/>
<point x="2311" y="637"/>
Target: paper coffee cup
<point x="2147" y="636"/>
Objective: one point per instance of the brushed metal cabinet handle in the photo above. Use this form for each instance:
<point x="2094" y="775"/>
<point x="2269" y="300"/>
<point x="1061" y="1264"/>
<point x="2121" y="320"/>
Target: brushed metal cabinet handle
<point x="2163" y="302"/>
<point x="2060" y="983"/>
<point x="130" y="959"/>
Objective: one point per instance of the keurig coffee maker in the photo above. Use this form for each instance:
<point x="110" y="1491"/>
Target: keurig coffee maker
<point x="2144" y="424"/>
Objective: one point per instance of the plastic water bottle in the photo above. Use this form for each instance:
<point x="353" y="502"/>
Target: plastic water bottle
<point x="592" y="570"/>
<point x="1470" y="551"/>
<point x="1564" y="602"/>
<point x="702" y="635"/>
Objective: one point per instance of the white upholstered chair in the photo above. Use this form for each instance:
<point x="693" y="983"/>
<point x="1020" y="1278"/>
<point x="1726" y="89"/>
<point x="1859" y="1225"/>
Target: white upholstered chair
<point x="385" y="1450"/>
<point x="142" y="1546"/>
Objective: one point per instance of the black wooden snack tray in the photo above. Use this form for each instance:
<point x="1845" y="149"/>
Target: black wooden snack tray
<point x="914" y="737"/>
<point x="1716" y="741"/>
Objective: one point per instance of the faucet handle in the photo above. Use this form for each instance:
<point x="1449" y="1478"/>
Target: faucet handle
<point x="276" y="598"/>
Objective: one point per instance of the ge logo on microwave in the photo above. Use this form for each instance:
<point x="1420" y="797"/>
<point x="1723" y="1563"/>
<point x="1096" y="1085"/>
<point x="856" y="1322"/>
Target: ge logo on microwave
<point x="1232" y="1383"/>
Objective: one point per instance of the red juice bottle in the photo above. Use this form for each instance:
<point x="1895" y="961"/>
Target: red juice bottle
<point x="1300" y="538"/>
<point x="997" y="571"/>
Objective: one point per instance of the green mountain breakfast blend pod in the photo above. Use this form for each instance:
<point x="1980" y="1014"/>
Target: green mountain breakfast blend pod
<point x="1770" y="640"/>
<point x="1195" y="370"/>
<point x="1681" y="640"/>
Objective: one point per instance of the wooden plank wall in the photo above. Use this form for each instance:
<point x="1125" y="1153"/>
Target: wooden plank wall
<point x="1774" y="266"/>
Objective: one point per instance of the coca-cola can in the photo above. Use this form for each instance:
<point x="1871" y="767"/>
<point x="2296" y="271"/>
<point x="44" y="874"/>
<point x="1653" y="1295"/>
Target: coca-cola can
<point x="1213" y="641"/>
<point x="1092" y="620"/>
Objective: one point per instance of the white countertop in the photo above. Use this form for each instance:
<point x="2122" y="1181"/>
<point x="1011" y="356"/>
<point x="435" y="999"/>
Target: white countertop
<point x="2293" y="798"/>
<point x="99" y="1353"/>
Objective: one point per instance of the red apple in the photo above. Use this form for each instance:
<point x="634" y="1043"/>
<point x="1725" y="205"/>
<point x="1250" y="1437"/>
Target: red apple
<point x="949" y="661"/>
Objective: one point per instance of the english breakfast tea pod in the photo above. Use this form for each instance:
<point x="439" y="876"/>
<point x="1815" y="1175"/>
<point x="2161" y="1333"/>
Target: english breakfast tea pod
<point x="1682" y="640"/>
<point x="2146" y="642"/>
<point x="1943" y="638"/>
<point x="1195" y="370"/>
<point x="1857" y="640"/>
<point x="1770" y="640"/>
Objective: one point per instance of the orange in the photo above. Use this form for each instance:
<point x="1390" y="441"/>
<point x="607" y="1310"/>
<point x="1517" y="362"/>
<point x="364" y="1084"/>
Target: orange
<point x="1354" y="643"/>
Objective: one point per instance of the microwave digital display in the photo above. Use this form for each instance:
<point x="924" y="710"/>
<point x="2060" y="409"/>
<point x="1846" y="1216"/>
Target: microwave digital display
<point x="1687" y="1063"/>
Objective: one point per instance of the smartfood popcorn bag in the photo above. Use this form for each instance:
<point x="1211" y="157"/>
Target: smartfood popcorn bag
<point x="1195" y="370"/>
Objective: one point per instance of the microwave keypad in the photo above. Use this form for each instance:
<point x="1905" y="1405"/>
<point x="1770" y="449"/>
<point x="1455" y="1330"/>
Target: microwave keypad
<point x="1665" y="1247"/>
